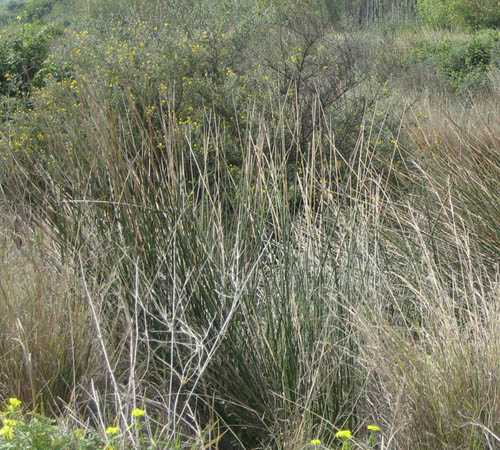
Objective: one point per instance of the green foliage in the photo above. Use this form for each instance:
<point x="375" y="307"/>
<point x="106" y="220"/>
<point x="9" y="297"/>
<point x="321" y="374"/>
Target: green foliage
<point x="33" y="431"/>
<point x="15" y="5"/>
<point x="26" y="11"/>
<point x="463" y="63"/>
<point x="21" y="430"/>
<point x="469" y="13"/>
<point x="22" y="55"/>
<point x="437" y="12"/>
<point x="36" y="10"/>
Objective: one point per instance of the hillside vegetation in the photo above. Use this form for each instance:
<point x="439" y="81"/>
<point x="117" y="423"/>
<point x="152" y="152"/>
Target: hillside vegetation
<point x="250" y="224"/>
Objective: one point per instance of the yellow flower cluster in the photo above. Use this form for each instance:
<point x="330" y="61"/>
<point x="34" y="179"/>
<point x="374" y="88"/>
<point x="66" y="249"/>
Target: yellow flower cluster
<point x="9" y="425"/>
<point x="138" y="412"/>
<point x="344" y="434"/>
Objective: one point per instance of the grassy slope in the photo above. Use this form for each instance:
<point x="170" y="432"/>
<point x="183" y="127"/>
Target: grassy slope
<point x="273" y="239"/>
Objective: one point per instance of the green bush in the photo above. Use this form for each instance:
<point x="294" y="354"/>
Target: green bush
<point x="462" y="63"/>
<point x="22" y="55"/>
<point x="468" y="13"/>
<point x="37" y="432"/>
<point x="15" y="5"/>
<point x="37" y="9"/>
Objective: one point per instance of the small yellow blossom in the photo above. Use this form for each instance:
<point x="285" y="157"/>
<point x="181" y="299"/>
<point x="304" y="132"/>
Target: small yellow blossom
<point x="138" y="412"/>
<point x="315" y="442"/>
<point x="373" y="428"/>
<point x="7" y="431"/>
<point x="112" y="430"/>
<point x="14" y="401"/>
<point x="80" y="433"/>
<point x="10" y="422"/>
<point x="344" y="434"/>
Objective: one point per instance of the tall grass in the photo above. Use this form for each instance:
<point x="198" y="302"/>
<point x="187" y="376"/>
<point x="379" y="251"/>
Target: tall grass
<point x="224" y="263"/>
<point x="47" y="345"/>
<point x="249" y="284"/>
<point x="254" y="307"/>
<point x="433" y="344"/>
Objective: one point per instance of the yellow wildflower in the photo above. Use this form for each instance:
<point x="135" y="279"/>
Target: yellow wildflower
<point x="373" y="428"/>
<point x="10" y="422"/>
<point x="315" y="442"/>
<point x="112" y="430"/>
<point x="15" y="401"/>
<point x="344" y="434"/>
<point x="138" y="412"/>
<point x="7" y="431"/>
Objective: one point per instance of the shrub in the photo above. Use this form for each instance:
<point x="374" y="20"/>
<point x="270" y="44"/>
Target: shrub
<point x="34" y="431"/>
<point x="463" y="63"/>
<point x="470" y="13"/>
<point x="22" y="55"/>
<point x="14" y="5"/>
<point x="36" y="10"/>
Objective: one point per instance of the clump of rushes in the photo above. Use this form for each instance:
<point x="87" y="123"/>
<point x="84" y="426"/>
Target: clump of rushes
<point x="346" y="436"/>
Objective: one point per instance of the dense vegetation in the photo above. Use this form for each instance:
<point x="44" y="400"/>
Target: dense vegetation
<point x="250" y="224"/>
